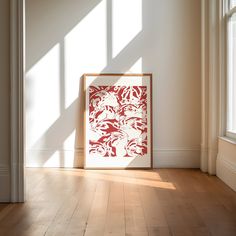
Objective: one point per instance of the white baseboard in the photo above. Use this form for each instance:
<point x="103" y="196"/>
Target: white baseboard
<point x="226" y="171"/>
<point x="168" y="158"/>
<point x="4" y="170"/>
<point x="184" y="158"/>
<point x="58" y="158"/>
<point x="4" y="184"/>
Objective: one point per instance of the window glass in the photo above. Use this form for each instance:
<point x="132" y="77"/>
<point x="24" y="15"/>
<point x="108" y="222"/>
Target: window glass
<point x="232" y="3"/>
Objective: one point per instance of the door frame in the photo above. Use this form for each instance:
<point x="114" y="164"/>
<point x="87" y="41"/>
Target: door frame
<point x="17" y="68"/>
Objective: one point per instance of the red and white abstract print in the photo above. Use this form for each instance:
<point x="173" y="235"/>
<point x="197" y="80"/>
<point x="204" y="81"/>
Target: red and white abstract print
<point x="118" y="121"/>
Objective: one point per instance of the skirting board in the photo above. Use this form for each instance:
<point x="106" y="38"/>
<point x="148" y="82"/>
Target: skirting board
<point x="55" y="158"/>
<point x="5" y="184"/>
<point x="168" y="158"/>
<point x="184" y="158"/>
<point x="226" y="171"/>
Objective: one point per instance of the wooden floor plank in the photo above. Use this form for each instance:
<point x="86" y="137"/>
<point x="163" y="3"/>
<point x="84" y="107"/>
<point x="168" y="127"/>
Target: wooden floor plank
<point x="97" y="216"/>
<point x="115" y="220"/>
<point x="134" y="215"/>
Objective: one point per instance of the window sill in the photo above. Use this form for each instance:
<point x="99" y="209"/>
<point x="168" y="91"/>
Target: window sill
<point x="229" y="140"/>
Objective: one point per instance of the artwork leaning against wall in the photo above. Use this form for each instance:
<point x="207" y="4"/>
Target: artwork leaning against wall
<point x="118" y="121"/>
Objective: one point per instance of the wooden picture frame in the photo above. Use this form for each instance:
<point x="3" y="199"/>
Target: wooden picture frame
<point x="118" y="121"/>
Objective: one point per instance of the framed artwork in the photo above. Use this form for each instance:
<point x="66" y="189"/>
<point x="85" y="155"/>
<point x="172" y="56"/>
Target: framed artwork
<point x="118" y="121"/>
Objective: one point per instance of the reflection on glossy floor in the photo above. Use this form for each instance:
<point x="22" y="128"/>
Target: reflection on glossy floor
<point x="121" y="202"/>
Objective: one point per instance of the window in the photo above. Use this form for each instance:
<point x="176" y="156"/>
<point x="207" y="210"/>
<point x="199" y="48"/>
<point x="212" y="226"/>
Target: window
<point x="231" y="71"/>
<point x="232" y="3"/>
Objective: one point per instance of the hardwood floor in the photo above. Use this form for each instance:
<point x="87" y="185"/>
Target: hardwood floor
<point x="121" y="202"/>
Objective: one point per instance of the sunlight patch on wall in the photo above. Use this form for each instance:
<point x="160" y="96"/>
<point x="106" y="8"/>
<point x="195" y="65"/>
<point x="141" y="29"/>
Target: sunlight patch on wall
<point x="53" y="161"/>
<point x="126" y="22"/>
<point x="60" y="158"/>
<point x="43" y="95"/>
<point x="69" y="143"/>
<point x="85" y="50"/>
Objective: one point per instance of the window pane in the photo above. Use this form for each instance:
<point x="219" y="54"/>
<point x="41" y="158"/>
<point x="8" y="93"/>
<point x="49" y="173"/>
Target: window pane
<point x="232" y="75"/>
<point x="232" y="3"/>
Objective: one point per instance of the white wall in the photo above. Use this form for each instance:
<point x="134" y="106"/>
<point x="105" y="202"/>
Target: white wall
<point x="65" y="39"/>
<point x="4" y="101"/>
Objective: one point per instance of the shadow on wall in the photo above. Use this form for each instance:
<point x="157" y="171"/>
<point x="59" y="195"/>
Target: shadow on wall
<point x="65" y="39"/>
<point x="82" y="43"/>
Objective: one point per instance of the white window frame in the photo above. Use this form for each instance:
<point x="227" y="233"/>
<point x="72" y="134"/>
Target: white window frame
<point x="228" y="15"/>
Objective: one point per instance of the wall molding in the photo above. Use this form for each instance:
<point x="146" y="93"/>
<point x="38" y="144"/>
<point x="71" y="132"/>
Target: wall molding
<point x="210" y="76"/>
<point x="226" y="171"/>
<point x="4" y="183"/>
<point x="162" y="158"/>
<point x="176" y="158"/>
<point x="17" y="100"/>
<point x="204" y="83"/>
<point x="4" y="171"/>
